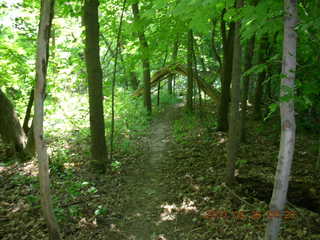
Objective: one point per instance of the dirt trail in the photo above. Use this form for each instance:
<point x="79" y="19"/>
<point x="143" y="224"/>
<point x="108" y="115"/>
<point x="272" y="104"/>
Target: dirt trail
<point x="147" y="213"/>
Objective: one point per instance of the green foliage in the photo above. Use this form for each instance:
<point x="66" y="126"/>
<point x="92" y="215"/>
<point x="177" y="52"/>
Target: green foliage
<point x="184" y="127"/>
<point x="24" y="180"/>
<point x="166" y="99"/>
<point x="256" y="69"/>
<point x="272" y="109"/>
<point x="131" y="120"/>
<point x="101" y="210"/>
<point x="33" y="200"/>
<point x="217" y="188"/>
<point x="60" y="157"/>
<point x="116" y="166"/>
<point x="265" y="18"/>
<point x="74" y="189"/>
<point x="241" y="162"/>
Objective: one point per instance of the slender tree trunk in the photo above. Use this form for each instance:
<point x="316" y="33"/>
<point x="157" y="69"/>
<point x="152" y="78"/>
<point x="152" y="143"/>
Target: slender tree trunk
<point x="269" y="85"/>
<point x="223" y="109"/>
<point x="114" y="80"/>
<point x="159" y="83"/>
<point x="213" y="45"/>
<point x="174" y="60"/>
<point x="234" y="124"/>
<point x="145" y="59"/>
<point x="190" y="73"/>
<point x="246" y="83"/>
<point x="134" y="81"/>
<point x="47" y="9"/>
<point x="30" y="147"/>
<point x="261" y="78"/>
<point x="197" y="78"/>
<point x="10" y="128"/>
<point x="174" y="85"/>
<point x="288" y="126"/>
<point x="28" y="112"/>
<point x="94" y="71"/>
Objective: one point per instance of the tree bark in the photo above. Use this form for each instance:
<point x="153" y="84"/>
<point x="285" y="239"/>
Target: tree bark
<point x="114" y="78"/>
<point x="10" y="128"/>
<point x="94" y="72"/>
<point x="30" y="147"/>
<point x="261" y="78"/>
<point x="213" y="45"/>
<point x="134" y="80"/>
<point x="145" y="59"/>
<point x="46" y="16"/>
<point x="190" y="73"/>
<point x="28" y="112"/>
<point x="226" y="75"/>
<point x="246" y="83"/>
<point x="197" y="77"/>
<point x="234" y="124"/>
<point x="159" y="83"/>
<point x="288" y="126"/>
<point x="174" y="60"/>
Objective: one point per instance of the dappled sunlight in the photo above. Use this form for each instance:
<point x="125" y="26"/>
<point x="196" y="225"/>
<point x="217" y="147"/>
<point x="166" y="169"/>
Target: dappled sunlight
<point x="134" y="116"/>
<point x="85" y="222"/>
<point x="170" y="211"/>
<point x="222" y="140"/>
<point x="19" y="206"/>
<point x="2" y="169"/>
<point x="161" y="237"/>
<point x="66" y="118"/>
<point x="28" y="169"/>
<point x="70" y="165"/>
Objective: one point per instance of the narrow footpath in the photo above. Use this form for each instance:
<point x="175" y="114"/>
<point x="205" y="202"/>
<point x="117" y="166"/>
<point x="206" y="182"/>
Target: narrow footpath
<point x="149" y="213"/>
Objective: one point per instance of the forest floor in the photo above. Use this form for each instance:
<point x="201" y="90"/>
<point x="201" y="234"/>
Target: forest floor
<point x="170" y="188"/>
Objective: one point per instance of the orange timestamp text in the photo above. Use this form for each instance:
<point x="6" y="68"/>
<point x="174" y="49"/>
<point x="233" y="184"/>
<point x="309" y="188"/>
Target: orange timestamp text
<point x="242" y="215"/>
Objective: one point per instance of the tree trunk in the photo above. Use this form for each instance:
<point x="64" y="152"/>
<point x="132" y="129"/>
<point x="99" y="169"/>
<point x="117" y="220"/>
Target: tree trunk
<point x="114" y="80"/>
<point x="174" y="60"/>
<point x="213" y="45"/>
<point x="223" y="109"/>
<point x="261" y="78"/>
<point x="246" y="83"/>
<point x="159" y="83"/>
<point x="197" y="78"/>
<point x="94" y="71"/>
<point x="10" y="128"/>
<point x="234" y="124"/>
<point x="30" y="147"/>
<point x="28" y="113"/>
<point x="145" y="59"/>
<point x="190" y="73"/>
<point x="134" y="80"/>
<point x="288" y="126"/>
<point x="46" y="15"/>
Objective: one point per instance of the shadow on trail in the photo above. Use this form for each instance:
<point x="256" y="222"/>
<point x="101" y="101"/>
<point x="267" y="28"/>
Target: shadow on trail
<point x="152" y="211"/>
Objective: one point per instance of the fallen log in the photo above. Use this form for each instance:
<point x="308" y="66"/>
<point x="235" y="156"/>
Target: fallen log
<point x="167" y="71"/>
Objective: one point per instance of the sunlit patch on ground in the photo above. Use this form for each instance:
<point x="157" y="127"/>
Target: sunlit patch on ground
<point x="2" y="169"/>
<point x="28" y="169"/>
<point x="170" y="211"/>
<point x="161" y="237"/>
<point x="90" y="223"/>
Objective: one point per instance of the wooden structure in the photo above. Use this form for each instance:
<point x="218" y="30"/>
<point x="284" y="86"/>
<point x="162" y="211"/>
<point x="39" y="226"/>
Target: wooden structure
<point x="167" y="71"/>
